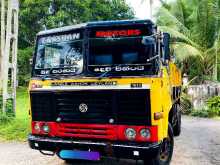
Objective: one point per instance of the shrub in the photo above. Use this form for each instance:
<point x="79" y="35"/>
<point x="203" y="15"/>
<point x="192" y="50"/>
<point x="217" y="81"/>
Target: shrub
<point x="4" y="118"/>
<point x="9" y="115"/>
<point x="200" y="113"/>
<point x="9" y="107"/>
<point x="24" y="68"/>
<point x="185" y="104"/>
<point x="214" y="106"/>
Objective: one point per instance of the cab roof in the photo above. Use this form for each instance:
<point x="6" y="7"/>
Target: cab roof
<point x="95" y="24"/>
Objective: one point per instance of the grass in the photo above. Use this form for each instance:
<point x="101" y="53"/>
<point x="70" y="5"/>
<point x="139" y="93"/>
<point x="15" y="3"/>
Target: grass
<point x="19" y="127"/>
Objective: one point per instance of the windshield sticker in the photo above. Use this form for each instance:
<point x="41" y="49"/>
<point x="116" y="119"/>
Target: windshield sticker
<point x="58" y="71"/>
<point x="103" y="83"/>
<point x="59" y="38"/>
<point x="119" y="69"/>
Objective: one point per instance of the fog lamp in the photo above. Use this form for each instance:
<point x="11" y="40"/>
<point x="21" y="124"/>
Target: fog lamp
<point x="130" y="133"/>
<point x="145" y="133"/>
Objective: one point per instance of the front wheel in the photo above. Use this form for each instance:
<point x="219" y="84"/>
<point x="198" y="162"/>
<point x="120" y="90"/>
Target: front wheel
<point x="166" y="151"/>
<point x="177" y="127"/>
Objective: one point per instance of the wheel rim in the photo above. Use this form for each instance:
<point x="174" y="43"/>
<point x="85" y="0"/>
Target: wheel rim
<point x="166" y="149"/>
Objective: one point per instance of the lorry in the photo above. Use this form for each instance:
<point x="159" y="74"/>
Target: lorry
<point x="105" y="89"/>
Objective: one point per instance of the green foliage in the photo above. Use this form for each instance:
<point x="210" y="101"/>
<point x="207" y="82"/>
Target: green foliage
<point x="9" y="115"/>
<point x="4" y="119"/>
<point x="9" y="109"/>
<point x="16" y="129"/>
<point x="194" y="27"/>
<point x="37" y="15"/>
<point x="185" y="104"/>
<point x="19" y="127"/>
<point x="24" y="68"/>
<point x="214" y="105"/>
<point x="219" y="69"/>
<point x="207" y="113"/>
<point x="213" y="109"/>
<point x="214" y="102"/>
<point x="200" y="113"/>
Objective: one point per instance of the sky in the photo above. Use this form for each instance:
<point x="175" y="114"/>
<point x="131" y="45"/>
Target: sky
<point x="142" y="10"/>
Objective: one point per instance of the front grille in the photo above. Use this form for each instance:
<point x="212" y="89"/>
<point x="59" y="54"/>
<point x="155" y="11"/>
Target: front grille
<point x="99" y="106"/>
<point x="128" y="107"/>
<point x="133" y="107"/>
<point x="87" y="131"/>
<point x="42" y="107"/>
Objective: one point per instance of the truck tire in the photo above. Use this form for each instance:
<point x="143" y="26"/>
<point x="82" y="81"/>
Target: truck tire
<point x="177" y="127"/>
<point x="166" y="151"/>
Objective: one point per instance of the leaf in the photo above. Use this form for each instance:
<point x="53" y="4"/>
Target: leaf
<point x="184" y="51"/>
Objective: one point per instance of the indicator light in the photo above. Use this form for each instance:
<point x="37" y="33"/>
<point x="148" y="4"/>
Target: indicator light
<point x="158" y="115"/>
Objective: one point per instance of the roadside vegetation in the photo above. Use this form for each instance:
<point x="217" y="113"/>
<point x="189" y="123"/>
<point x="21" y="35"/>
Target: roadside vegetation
<point x="210" y="110"/>
<point x="194" y="26"/>
<point x="16" y="128"/>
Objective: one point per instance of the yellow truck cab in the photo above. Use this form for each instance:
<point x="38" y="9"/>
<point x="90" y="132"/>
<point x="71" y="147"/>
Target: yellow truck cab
<point x="105" y="88"/>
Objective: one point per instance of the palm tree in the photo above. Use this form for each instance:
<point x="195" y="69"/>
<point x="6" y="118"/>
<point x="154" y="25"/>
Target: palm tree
<point x="151" y="5"/>
<point x="194" y="26"/>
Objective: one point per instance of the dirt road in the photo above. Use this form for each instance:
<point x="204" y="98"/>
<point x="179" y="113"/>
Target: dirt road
<point x="199" y="144"/>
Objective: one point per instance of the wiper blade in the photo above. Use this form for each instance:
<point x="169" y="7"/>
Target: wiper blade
<point x="105" y="73"/>
<point x="153" y="58"/>
<point x="51" y="76"/>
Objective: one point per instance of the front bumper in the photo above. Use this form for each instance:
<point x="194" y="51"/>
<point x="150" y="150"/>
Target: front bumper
<point x="129" y="150"/>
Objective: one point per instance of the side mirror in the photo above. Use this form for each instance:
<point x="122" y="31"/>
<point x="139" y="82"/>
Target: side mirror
<point x="166" y="43"/>
<point x="148" y="40"/>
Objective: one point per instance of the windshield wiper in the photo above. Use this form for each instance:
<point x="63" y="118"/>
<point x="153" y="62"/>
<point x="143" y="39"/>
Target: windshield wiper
<point x="153" y="58"/>
<point x="51" y="76"/>
<point x="105" y="73"/>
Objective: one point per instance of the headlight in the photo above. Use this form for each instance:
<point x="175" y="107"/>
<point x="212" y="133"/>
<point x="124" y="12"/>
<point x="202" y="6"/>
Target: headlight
<point x="145" y="133"/>
<point x="37" y="127"/>
<point x="130" y="133"/>
<point x="46" y="128"/>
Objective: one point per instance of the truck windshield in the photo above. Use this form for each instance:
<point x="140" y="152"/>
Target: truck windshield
<point x="126" y="55"/>
<point x="59" y="55"/>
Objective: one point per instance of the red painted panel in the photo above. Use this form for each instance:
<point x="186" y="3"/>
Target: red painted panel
<point x="95" y="131"/>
